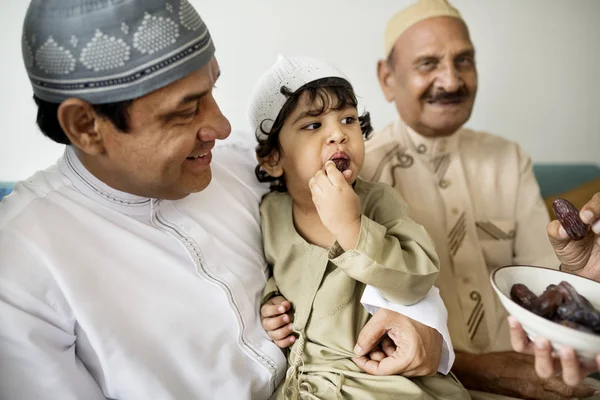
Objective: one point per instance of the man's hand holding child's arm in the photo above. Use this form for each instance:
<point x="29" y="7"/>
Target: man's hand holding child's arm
<point x="407" y="347"/>
<point x="275" y="315"/>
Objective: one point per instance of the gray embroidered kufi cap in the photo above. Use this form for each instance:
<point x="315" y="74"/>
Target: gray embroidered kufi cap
<point x="103" y="51"/>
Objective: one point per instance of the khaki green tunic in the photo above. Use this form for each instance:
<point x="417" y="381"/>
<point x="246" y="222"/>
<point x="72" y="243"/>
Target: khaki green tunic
<point x="393" y="254"/>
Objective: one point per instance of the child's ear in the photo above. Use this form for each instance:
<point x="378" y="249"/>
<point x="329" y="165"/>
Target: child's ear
<point x="271" y="164"/>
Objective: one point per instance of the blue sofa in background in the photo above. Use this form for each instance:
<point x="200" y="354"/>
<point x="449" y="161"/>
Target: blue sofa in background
<point x="5" y="188"/>
<point x="564" y="180"/>
<point x="555" y="179"/>
<point x="574" y="182"/>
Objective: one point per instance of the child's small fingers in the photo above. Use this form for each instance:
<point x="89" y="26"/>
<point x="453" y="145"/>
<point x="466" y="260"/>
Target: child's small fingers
<point x="347" y="175"/>
<point x="336" y="178"/>
<point x="285" y="342"/>
<point x="282" y="304"/>
<point x="314" y="186"/>
<point x="322" y="180"/>
<point x="274" y="323"/>
<point x="281" y="333"/>
<point x="272" y="310"/>
<point x="277" y="300"/>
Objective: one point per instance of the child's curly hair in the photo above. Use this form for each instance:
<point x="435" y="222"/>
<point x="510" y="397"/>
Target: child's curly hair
<point x="327" y="90"/>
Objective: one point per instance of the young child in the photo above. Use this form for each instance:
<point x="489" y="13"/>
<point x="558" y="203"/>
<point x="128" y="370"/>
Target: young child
<point x="327" y="233"/>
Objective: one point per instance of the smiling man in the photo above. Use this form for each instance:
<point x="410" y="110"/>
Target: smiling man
<point x="133" y="268"/>
<point x="475" y="193"/>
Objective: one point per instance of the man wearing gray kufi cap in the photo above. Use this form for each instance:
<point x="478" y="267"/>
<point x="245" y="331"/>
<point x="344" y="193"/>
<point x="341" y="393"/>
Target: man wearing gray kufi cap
<point x="123" y="273"/>
<point x="106" y="51"/>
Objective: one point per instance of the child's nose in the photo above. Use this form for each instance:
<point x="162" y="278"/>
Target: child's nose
<point x="337" y="136"/>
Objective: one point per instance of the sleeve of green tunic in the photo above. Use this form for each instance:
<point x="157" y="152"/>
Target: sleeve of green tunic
<point x="393" y="254"/>
<point x="270" y="290"/>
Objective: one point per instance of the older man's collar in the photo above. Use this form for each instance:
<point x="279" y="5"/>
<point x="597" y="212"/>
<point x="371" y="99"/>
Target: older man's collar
<point x="431" y="147"/>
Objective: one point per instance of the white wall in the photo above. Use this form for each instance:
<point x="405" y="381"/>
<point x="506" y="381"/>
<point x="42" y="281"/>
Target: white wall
<point x="539" y="66"/>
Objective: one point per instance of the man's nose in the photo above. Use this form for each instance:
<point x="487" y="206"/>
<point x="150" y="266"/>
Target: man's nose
<point x="215" y="127"/>
<point x="449" y="79"/>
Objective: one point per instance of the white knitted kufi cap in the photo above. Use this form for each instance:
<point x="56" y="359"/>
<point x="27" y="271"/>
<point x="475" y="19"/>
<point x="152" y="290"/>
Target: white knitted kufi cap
<point x="267" y="100"/>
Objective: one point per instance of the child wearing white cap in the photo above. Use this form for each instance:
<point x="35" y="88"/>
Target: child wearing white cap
<point x="327" y="234"/>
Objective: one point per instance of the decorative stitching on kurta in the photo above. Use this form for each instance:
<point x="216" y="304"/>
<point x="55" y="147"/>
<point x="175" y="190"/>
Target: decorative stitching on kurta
<point x="339" y="308"/>
<point x="477" y="323"/>
<point x="404" y="160"/>
<point x="99" y="191"/>
<point x="193" y="248"/>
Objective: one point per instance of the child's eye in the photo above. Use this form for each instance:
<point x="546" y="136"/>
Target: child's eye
<point x="313" y="126"/>
<point x="349" y="120"/>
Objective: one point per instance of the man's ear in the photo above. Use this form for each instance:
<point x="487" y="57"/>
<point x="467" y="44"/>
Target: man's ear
<point x="386" y="78"/>
<point x="271" y="164"/>
<point x="81" y="123"/>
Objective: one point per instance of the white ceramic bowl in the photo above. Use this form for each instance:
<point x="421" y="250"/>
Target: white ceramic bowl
<point x="586" y="345"/>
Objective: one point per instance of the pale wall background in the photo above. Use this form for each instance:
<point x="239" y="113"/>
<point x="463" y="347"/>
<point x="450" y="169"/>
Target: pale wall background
<point x="539" y="66"/>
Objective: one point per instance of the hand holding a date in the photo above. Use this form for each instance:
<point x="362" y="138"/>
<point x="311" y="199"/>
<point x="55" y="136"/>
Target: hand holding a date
<point x="575" y="237"/>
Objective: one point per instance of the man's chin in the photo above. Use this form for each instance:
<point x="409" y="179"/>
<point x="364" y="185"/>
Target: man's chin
<point x="446" y="123"/>
<point x="200" y="185"/>
<point x="440" y="128"/>
<point x="189" y="186"/>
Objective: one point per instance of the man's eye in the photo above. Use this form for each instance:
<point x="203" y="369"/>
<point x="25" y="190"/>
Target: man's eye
<point x="188" y="115"/>
<point x="464" y="61"/>
<point x="191" y="114"/>
<point x="427" y="65"/>
<point x="313" y="126"/>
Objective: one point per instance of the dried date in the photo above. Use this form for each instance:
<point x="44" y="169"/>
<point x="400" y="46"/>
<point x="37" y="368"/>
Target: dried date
<point x="341" y="164"/>
<point x="559" y="303"/>
<point x="568" y="216"/>
<point x="547" y="303"/>
<point x="570" y="294"/>
<point x="580" y="313"/>
<point x="522" y="295"/>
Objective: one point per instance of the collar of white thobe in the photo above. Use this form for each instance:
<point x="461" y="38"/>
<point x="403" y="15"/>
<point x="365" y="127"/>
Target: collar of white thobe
<point x="90" y="186"/>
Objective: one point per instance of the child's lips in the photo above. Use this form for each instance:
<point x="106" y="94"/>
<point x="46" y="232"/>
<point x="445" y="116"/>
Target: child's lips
<point x="340" y="154"/>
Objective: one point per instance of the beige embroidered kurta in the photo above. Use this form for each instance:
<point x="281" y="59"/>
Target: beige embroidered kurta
<point x="393" y="254"/>
<point x="477" y="197"/>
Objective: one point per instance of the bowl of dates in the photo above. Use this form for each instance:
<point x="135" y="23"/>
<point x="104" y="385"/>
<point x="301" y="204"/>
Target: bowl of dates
<point x="562" y="307"/>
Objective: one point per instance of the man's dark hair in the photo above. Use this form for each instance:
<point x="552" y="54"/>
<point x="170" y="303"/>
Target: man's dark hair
<point x="47" y="117"/>
<point x="334" y="93"/>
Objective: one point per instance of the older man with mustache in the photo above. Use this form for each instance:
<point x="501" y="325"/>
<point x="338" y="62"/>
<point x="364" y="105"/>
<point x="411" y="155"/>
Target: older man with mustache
<point x="475" y="193"/>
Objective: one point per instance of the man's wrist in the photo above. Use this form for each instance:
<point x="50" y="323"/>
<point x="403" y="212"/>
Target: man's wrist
<point x="469" y="371"/>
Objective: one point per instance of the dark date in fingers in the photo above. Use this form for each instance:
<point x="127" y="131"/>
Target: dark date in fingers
<point x="568" y="216"/>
